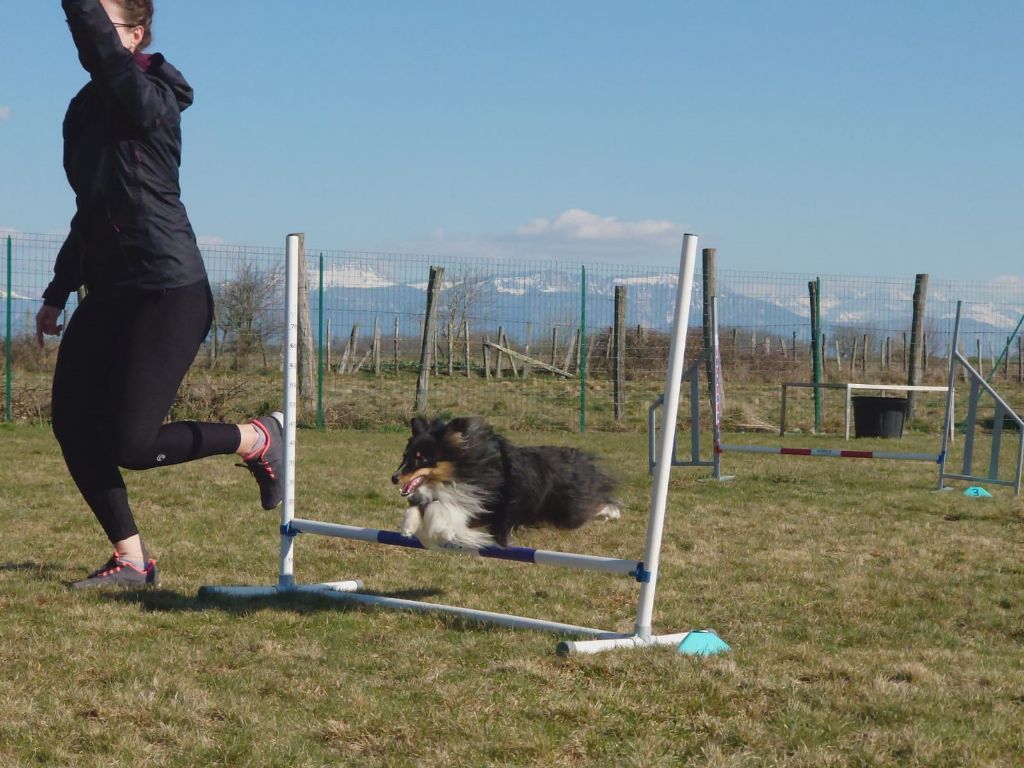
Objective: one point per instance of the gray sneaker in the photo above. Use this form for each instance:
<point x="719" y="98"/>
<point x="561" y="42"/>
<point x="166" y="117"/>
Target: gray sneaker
<point x="120" y="573"/>
<point x="267" y="463"/>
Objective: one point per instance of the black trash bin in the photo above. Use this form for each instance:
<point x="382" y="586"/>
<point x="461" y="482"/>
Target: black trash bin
<point x="879" y="416"/>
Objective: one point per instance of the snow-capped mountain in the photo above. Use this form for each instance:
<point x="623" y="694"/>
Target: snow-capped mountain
<point x="383" y="288"/>
<point x="767" y="303"/>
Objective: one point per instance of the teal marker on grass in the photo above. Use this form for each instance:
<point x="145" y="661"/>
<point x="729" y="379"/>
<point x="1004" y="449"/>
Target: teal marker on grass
<point x="703" y="642"/>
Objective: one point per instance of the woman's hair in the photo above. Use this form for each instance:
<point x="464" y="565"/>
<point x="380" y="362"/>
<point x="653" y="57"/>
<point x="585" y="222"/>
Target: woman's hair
<point x="139" y="12"/>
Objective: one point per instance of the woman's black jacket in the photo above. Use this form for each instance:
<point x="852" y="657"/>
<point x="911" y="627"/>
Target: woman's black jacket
<point x="122" y="151"/>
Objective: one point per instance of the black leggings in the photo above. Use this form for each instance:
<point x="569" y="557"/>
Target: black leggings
<point x="119" y="366"/>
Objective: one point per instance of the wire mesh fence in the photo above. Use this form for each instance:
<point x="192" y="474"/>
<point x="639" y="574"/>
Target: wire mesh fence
<point x="535" y="344"/>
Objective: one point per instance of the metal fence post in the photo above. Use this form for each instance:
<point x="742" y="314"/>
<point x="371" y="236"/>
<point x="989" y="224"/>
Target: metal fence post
<point x="582" y="368"/>
<point x="8" y="415"/>
<point x="320" y="352"/>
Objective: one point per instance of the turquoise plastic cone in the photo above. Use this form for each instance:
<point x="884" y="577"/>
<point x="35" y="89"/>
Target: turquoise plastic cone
<point x="977" y="491"/>
<point x="703" y="642"/>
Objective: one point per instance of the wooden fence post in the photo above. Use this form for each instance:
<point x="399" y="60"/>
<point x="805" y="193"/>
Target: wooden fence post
<point x="526" y="351"/>
<point x="376" y="346"/>
<point x="436" y="357"/>
<point x="572" y="353"/>
<point x="306" y="358"/>
<point x="350" y="349"/>
<point x="426" y="347"/>
<point x="451" y="346"/>
<point x="511" y="360"/>
<point x="497" y="354"/>
<point x="397" y="362"/>
<point x="709" y="286"/>
<point x="915" y="368"/>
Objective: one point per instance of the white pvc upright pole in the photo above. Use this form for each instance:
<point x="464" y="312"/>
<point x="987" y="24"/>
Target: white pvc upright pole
<point x="286" y="577"/>
<point x="673" y="382"/>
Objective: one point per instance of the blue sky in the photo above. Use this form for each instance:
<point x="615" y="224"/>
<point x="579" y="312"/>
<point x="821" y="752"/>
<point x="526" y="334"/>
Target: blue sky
<point x="870" y="138"/>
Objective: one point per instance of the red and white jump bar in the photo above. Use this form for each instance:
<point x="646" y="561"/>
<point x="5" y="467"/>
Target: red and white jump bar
<point x="834" y="453"/>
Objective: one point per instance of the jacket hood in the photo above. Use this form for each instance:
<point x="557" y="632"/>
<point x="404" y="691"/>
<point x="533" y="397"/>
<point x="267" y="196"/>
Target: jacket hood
<point x="155" y="65"/>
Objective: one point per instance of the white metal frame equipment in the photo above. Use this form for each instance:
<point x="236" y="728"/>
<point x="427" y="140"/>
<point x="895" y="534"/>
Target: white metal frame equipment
<point x="1003" y="416"/>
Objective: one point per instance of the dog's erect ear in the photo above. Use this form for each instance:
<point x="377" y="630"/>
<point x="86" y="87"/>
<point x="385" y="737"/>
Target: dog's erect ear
<point x="418" y="425"/>
<point x="467" y="433"/>
<point x="437" y="426"/>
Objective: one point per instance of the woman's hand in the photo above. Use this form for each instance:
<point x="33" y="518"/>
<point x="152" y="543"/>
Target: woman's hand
<point x="46" y="322"/>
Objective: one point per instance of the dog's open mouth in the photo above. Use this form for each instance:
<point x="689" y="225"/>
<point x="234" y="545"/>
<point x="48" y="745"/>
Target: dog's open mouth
<point x="412" y="485"/>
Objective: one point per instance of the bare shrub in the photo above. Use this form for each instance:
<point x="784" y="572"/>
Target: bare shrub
<point x="27" y="356"/>
<point x="646" y="352"/>
<point x="208" y="399"/>
<point x="30" y="404"/>
<point x="245" y="312"/>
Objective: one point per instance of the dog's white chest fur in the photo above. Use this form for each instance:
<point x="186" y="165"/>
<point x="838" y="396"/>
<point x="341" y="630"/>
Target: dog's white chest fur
<point x="440" y="516"/>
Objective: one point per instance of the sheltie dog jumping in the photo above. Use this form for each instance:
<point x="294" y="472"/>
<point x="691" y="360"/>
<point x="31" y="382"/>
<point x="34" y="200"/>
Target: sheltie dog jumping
<point x="468" y="487"/>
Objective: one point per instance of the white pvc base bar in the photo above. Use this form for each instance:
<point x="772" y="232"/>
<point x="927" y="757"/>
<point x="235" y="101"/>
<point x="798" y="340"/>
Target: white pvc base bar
<point x="568" y="647"/>
<point x="333" y="586"/>
<point x="345" y="591"/>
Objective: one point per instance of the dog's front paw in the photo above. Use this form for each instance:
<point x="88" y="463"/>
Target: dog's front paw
<point x="411" y="522"/>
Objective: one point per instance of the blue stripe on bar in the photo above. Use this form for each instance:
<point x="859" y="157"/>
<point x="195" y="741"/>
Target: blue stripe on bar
<point x="391" y="537"/>
<point x="518" y="554"/>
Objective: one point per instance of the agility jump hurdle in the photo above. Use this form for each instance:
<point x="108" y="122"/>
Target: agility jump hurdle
<point x="978" y="386"/>
<point x="645" y="571"/>
<point x="720" y="447"/>
<point x="693" y="377"/>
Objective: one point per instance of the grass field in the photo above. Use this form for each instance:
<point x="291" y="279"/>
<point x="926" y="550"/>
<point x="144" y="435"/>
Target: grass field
<point x="873" y="621"/>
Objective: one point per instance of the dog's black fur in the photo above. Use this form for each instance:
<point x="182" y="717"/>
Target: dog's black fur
<point x="475" y="482"/>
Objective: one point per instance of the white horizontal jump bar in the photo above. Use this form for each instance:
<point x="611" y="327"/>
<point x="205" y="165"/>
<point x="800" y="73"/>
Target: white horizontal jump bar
<point x="518" y="554"/>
